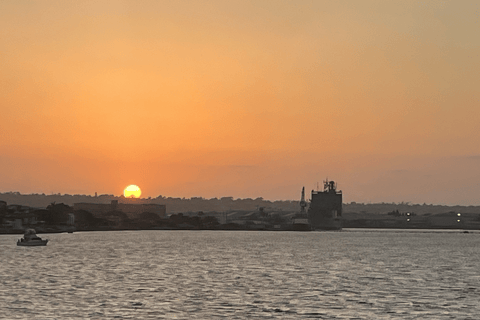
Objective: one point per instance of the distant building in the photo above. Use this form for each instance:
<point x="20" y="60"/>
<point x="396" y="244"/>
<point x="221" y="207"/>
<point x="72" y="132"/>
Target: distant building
<point x="446" y="220"/>
<point x="17" y="208"/>
<point x="130" y="209"/>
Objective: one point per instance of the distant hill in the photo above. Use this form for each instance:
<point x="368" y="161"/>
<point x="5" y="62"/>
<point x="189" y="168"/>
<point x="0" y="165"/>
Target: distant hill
<point x="225" y="204"/>
<point x="419" y="209"/>
<point x="174" y="205"/>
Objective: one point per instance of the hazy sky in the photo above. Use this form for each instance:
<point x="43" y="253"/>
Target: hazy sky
<point x="242" y="98"/>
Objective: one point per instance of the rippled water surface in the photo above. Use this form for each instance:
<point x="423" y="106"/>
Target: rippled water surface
<point x="353" y="274"/>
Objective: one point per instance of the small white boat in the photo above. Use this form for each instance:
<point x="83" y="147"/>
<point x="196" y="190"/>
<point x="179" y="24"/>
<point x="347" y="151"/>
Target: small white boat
<point x="30" y="239"/>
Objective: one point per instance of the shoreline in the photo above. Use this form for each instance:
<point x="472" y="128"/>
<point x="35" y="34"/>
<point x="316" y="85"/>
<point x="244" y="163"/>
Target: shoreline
<point x="392" y="229"/>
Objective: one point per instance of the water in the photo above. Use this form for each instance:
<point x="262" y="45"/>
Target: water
<point x="353" y="274"/>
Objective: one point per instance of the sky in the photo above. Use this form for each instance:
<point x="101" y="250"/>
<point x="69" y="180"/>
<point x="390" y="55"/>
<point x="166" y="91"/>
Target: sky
<point x="242" y="98"/>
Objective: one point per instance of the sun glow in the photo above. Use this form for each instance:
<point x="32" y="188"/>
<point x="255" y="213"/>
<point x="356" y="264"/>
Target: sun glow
<point x="132" y="191"/>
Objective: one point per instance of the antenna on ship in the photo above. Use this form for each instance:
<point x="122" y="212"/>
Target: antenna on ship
<point x="327" y="185"/>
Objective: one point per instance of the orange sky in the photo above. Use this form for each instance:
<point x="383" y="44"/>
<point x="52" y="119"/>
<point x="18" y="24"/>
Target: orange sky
<point x="242" y="98"/>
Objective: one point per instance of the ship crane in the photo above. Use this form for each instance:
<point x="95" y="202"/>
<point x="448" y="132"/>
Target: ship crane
<point x="303" y="203"/>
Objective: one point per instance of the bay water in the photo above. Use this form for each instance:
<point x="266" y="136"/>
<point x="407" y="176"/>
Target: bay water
<point x="351" y="274"/>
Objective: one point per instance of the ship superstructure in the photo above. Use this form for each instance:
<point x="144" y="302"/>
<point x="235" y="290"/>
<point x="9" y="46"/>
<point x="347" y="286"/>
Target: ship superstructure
<point x="325" y="211"/>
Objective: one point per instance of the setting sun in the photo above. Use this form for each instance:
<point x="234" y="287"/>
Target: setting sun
<point x="132" y="191"/>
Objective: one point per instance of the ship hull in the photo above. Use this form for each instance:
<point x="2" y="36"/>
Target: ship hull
<point x="327" y="224"/>
<point x="301" y="227"/>
<point x="33" y="243"/>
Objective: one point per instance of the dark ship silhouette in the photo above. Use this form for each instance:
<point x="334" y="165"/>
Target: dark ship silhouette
<point x="325" y="211"/>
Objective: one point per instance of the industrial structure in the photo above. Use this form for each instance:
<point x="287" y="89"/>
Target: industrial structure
<point x="300" y="220"/>
<point x="131" y="209"/>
